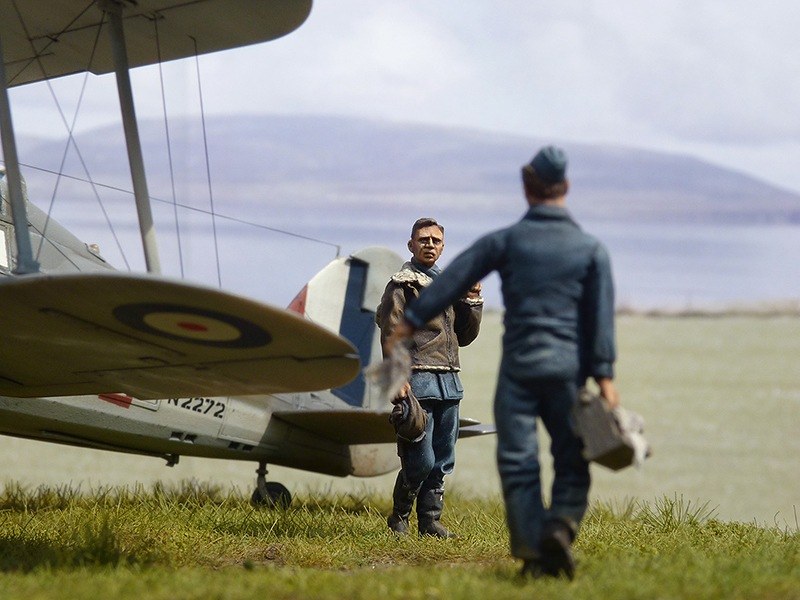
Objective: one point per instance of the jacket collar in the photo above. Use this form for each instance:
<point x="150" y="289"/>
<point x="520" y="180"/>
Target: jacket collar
<point x="411" y="273"/>
<point x="549" y="212"/>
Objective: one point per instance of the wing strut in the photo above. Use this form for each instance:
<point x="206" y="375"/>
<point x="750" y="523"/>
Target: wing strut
<point x="25" y="261"/>
<point x="120" y="55"/>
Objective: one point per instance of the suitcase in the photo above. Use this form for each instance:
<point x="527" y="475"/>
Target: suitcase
<point x="611" y="438"/>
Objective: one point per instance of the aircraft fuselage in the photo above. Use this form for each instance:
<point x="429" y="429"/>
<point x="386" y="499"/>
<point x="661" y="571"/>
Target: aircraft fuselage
<point x="228" y="428"/>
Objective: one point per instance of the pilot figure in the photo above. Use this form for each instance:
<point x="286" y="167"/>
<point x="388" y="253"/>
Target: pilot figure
<point x="434" y="380"/>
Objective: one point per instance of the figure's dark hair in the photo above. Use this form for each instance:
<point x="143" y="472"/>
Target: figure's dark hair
<point x="537" y="188"/>
<point x="425" y="222"/>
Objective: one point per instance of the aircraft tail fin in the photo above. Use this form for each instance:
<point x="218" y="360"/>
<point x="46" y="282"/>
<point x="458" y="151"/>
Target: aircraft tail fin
<point x="343" y="297"/>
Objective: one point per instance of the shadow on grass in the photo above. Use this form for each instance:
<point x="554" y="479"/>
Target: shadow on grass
<point x="95" y="545"/>
<point x="27" y="555"/>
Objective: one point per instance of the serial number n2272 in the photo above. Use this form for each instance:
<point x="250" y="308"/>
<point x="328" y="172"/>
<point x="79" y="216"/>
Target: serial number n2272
<point x="206" y="406"/>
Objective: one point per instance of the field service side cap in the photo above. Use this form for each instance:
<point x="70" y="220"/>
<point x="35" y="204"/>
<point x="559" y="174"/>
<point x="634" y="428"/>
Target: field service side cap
<point x="550" y="164"/>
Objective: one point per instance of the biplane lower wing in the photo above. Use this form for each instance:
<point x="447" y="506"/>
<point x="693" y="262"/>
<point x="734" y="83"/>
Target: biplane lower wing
<point x="92" y="333"/>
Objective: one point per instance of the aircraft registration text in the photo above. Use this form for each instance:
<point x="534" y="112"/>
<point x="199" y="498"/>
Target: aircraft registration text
<point x="206" y="406"/>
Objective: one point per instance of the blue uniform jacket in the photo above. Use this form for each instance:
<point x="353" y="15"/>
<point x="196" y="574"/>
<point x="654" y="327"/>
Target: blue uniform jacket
<point x="557" y="290"/>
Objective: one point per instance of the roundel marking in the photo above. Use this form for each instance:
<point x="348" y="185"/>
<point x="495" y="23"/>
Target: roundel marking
<point x="196" y="327"/>
<point x="193" y="325"/>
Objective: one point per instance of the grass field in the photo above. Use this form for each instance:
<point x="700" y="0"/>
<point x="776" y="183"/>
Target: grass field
<point x="713" y="513"/>
<point x="721" y="401"/>
<point x="720" y="397"/>
<point x="195" y="542"/>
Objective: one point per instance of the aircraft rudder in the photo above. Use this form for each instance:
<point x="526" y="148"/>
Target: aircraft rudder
<point x="343" y="296"/>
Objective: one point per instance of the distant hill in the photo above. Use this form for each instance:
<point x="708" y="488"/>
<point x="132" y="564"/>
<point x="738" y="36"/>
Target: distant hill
<point x="683" y="232"/>
<point x="334" y="164"/>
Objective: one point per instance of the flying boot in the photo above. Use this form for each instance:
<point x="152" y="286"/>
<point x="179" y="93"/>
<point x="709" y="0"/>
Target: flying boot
<point x="429" y="510"/>
<point x="403" y="499"/>
<point x="557" y="537"/>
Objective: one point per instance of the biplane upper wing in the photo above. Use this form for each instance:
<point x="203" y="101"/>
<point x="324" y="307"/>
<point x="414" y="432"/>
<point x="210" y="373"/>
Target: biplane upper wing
<point x="91" y="333"/>
<point x="43" y="39"/>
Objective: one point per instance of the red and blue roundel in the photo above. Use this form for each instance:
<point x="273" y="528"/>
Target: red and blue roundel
<point x="192" y="325"/>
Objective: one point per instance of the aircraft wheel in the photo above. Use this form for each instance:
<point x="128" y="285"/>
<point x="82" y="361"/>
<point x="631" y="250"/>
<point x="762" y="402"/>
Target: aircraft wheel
<point x="271" y="495"/>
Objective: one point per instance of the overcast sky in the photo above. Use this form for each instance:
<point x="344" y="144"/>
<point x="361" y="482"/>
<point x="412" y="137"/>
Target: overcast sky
<point x="717" y="79"/>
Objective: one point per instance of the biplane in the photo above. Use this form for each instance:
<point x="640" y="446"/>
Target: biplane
<point x="141" y="363"/>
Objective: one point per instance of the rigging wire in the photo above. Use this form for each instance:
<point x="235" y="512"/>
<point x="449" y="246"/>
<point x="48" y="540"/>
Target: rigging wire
<point x="156" y="18"/>
<point x="70" y="139"/>
<point x="52" y="39"/>
<point x="208" y="165"/>
<point x="218" y="215"/>
<point x="48" y="214"/>
<point x="72" y="142"/>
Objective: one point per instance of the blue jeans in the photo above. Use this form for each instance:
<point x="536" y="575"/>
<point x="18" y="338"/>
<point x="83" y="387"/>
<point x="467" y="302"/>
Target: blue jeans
<point x="516" y="408"/>
<point x="426" y="462"/>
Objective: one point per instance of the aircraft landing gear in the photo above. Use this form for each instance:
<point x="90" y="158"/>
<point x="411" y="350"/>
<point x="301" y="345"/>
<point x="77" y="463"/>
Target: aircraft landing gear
<point x="269" y="494"/>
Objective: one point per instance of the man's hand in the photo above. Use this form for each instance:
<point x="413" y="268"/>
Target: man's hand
<point x="402" y="394"/>
<point x="391" y="376"/>
<point x="608" y="391"/>
<point x="475" y="291"/>
<point x="402" y="331"/>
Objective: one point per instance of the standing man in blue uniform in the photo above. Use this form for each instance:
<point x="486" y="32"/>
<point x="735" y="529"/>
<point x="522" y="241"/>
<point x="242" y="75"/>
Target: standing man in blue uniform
<point x="434" y="379"/>
<point x="559" y="330"/>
